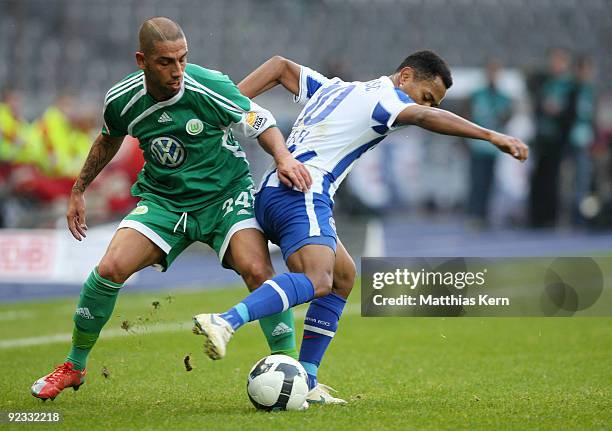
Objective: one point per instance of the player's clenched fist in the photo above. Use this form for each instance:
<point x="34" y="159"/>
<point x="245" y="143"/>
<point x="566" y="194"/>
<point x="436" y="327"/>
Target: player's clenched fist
<point x="511" y="145"/>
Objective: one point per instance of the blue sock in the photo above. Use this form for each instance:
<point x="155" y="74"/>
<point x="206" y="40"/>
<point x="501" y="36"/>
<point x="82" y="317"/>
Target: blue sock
<point x="273" y="296"/>
<point x="320" y="326"/>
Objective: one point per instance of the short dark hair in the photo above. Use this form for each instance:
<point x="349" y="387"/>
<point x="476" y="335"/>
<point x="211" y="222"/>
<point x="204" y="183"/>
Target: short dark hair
<point x="428" y="65"/>
<point x="158" y="29"/>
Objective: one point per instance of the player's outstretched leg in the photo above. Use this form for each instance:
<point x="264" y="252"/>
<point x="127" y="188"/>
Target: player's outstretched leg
<point x="248" y="254"/>
<point x="321" y="324"/>
<point x="128" y="252"/>
<point x="273" y="296"/>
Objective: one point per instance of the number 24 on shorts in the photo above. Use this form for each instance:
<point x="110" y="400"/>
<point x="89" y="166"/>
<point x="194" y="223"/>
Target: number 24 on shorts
<point x="241" y="200"/>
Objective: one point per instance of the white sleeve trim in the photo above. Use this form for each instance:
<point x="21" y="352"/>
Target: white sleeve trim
<point x="300" y="99"/>
<point x="392" y="103"/>
<point x="254" y="122"/>
<point x="395" y="114"/>
<point x="305" y="73"/>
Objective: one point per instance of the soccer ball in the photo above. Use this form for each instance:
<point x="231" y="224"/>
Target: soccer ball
<point x="277" y="382"/>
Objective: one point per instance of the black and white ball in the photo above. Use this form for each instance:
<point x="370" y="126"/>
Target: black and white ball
<point x="277" y="382"/>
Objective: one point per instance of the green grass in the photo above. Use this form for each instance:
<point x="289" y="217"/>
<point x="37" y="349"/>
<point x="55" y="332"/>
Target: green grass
<point x="398" y="373"/>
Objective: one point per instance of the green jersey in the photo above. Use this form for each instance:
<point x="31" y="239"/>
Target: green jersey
<point x="192" y="158"/>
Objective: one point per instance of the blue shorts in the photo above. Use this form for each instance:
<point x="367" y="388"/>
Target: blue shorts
<point x="292" y="219"/>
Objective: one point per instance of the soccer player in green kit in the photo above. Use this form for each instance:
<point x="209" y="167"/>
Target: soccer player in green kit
<point x="195" y="186"/>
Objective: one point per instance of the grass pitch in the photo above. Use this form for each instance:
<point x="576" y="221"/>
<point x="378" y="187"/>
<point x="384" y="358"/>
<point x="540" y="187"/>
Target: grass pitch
<point x="397" y="373"/>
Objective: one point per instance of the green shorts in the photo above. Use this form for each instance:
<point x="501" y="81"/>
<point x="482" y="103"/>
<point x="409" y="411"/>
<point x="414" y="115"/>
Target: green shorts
<point x="214" y="224"/>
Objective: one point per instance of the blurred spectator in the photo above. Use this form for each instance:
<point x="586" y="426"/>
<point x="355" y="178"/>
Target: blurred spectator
<point x="40" y="160"/>
<point x="490" y="108"/>
<point x="11" y="125"/>
<point x="54" y="153"/>
<point x="582" y="133"/>
<point x="552" y="103"/>
<point x="65" y="144"/>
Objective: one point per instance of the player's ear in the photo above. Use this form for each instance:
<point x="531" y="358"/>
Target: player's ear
<point x="140" y="59"/>
<point x="406" y="75"/>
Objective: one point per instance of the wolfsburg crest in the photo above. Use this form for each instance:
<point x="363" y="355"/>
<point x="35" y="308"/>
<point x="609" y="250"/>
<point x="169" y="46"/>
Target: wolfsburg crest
<point x="194" y="126"/>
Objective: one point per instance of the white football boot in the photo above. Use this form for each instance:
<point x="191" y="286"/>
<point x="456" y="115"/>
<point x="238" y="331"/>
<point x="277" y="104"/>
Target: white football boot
<point x="217" y="331"/>
<point x="320" y="394"/>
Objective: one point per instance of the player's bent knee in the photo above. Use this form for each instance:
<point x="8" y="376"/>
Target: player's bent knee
<point x="111" y="269"/>
<point x="343" y="285"/>
<point x="256" y="273"/>
<point x="322" y="282"/>
<point x="345" y="280"/>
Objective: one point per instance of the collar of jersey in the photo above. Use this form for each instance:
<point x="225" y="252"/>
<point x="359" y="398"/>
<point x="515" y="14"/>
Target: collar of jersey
<point x="387" y="81"/>
<point x="156" y="106"/>
<point x="181" y="91"/>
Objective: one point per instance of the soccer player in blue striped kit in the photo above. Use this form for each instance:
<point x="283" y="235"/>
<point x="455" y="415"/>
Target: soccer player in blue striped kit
<point x="339" y="122"/>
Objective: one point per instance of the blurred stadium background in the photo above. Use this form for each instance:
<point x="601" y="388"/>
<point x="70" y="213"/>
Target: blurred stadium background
<point x="418" y="194"/>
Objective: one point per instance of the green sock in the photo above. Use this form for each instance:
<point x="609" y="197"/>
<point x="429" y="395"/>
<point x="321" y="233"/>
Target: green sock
<point x="279" y="330"/>
<point x="95" y="307"/>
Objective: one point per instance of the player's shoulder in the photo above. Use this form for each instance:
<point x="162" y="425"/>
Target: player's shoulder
<point x="195" y="74"/>
<point x="124" y="89"/>
<point x="388" y="91"/>
<point x="207" y="84"/>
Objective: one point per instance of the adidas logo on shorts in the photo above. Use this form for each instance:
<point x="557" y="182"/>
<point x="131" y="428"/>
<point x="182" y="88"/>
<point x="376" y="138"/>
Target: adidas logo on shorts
<point x="164" y="118"/>
<point x="281" y="329"/>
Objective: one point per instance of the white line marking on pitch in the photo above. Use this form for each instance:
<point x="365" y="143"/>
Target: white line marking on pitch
<point x="15" y="315"/>
<point x="114" y="333"/>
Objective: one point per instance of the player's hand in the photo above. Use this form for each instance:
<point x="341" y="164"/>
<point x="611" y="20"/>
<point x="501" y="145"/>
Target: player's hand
<point x="293" y="174"/>
<point x="513" y="146"/>
<point x="76" y="215"/>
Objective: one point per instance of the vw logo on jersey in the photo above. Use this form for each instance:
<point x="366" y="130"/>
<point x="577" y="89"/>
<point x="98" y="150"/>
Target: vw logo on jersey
<point x="168" y="151"/>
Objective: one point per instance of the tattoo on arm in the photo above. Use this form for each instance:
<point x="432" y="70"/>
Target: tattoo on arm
<point x="102" y="151"/>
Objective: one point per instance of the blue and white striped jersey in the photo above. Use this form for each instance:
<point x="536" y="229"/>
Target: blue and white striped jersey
<point x="340" y="121"/>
